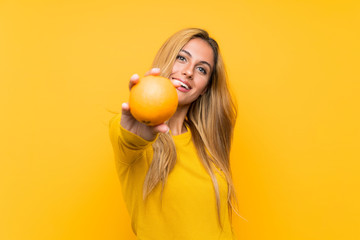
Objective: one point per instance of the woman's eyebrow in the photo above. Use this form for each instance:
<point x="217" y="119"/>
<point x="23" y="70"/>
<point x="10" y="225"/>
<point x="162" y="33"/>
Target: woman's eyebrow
<point x="182" y="50"/>
<point x="204" y="62"/>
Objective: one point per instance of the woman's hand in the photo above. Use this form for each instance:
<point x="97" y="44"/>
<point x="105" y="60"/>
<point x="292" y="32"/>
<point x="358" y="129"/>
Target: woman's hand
<point x="131" y="124"/>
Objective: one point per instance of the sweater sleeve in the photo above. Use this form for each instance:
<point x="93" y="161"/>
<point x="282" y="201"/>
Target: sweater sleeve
<point x="127" y="146"/>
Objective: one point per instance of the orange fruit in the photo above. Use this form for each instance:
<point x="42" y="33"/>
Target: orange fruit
<point x="153" y="100"/>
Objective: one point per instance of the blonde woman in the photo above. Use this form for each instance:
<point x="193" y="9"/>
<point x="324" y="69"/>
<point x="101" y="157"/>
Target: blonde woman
<point x="176" y="177"/>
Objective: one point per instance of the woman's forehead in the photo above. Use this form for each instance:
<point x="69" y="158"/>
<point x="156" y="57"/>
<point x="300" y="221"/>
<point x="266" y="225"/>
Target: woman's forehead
<point x="199" y="50"/>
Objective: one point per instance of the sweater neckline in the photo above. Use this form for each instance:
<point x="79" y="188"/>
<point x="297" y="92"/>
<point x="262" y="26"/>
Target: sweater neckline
<point x="186" y="136"/>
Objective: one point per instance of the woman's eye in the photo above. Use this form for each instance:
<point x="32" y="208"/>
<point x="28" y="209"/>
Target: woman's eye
<point x="181" y="58"/>
<point x="202" y="70"/>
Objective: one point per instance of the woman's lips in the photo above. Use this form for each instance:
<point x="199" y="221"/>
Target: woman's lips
<point x="184" y="86"/>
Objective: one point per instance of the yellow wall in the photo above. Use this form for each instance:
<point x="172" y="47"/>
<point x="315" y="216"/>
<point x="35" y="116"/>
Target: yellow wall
<point x="293" y="66"/>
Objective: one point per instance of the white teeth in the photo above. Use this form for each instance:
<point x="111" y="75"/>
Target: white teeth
<point x="185" y="86"/>
<point x="182" y="84"/>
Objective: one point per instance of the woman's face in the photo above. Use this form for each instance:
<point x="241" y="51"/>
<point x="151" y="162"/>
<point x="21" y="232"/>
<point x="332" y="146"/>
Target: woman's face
<point x="193" y="67"/>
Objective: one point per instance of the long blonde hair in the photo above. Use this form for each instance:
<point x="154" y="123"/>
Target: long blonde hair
<point x="211" y="119"/>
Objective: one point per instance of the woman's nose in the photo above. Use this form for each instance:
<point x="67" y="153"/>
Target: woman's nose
<point x="187" y="71"/>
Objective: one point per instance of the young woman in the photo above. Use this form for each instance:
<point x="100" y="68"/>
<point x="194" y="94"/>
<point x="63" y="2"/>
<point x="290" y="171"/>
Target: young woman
<point x="176" y="177"/>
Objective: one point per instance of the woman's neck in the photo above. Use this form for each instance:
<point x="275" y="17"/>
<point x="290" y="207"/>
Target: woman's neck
<point x="176" y="122"/>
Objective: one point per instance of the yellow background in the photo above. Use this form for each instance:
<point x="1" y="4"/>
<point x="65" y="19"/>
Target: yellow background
<point x="294" y="69"/>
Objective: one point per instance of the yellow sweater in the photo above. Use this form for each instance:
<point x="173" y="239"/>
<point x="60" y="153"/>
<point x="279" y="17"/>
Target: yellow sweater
<point x="188" y="208"/>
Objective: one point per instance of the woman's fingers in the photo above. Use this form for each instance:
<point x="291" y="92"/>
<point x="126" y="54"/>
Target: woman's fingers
<point x="125" y="107"/>
<point x="153" y="71"/>
<point x="133" y="80"/>
<point x="126" y="110"/>
<point x="162" y="128"/>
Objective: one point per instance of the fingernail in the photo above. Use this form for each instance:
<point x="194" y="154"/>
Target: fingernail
<point x="125" y="106"/>
<point x="156" y="69"/>
<point x="135" y="76"/>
